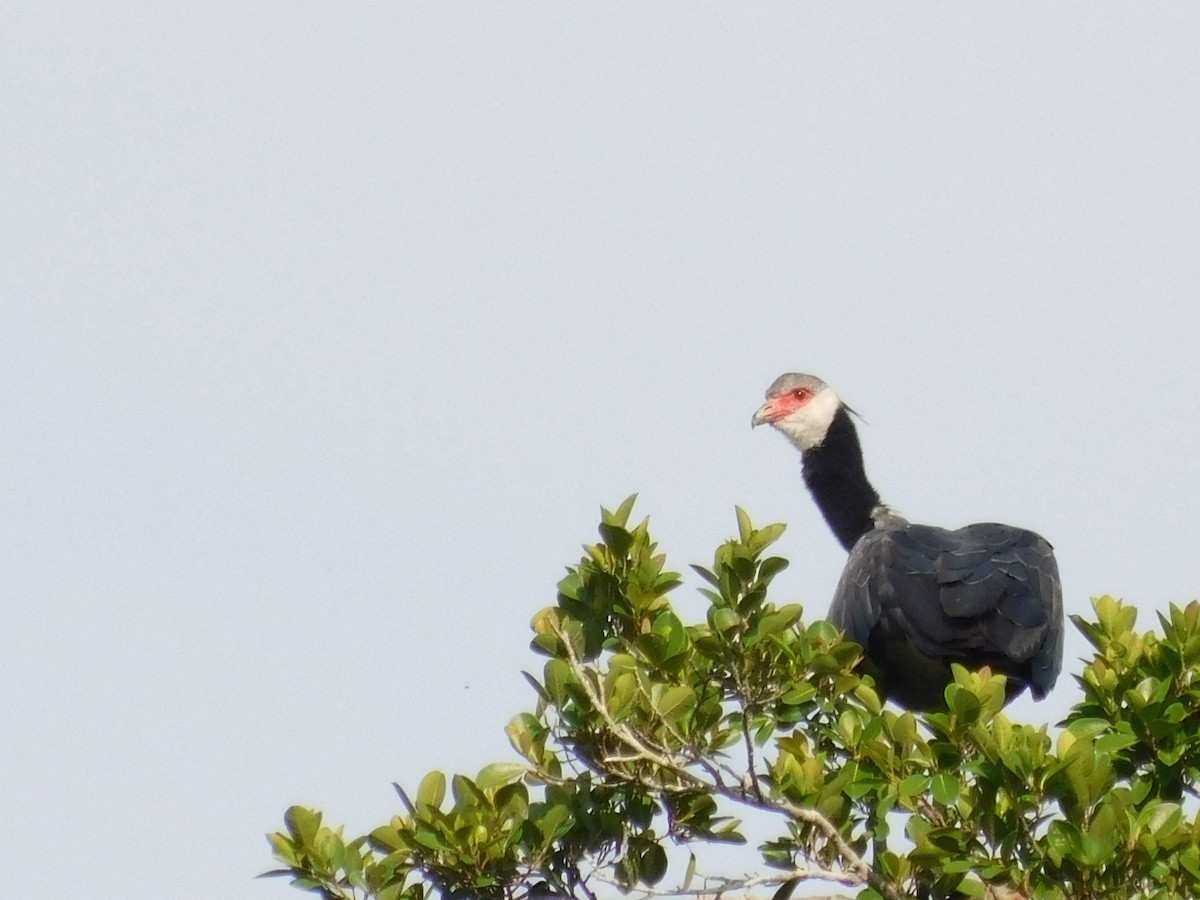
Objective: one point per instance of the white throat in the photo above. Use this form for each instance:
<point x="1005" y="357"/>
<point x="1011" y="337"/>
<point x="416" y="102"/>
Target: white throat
<point x="807" y="426"/>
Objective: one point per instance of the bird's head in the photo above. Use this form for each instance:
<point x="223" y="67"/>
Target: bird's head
<point x="801" y="406"/>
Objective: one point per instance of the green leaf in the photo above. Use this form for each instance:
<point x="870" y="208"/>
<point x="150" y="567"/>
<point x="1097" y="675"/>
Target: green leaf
<point x="727" y="833"/>
<point x="690" y="873"/>
<point x="499" y="773"/>
<point x="724" y="619"/>
<point x="542" y="696"/>
<point x="389" y="836"/>
<point x="303" y="824"/>
<point x="675" y="702"/>
<point x="432" y="791"/>
<point x="914" y="785"/>
<point x="945" y="788"/>
<point x="620" y="517"/>
<point x="767" y="535"/>
<point x="558" y="675"/>
<point x="653" y="864"/>
<point x="553" y="823"/>
<point x="617" y="539"/>
<point x="283" y="848"/>
<point x="822" y="632"/>
<point x="1190" y="860"/>
<point x="799" y="693"/>
<point x="466" y="792"/>
<point x="429" y="838"/>
<point x="524" y="732"/>
<point x="745" y="526"/>
<point x="771" y="567"/>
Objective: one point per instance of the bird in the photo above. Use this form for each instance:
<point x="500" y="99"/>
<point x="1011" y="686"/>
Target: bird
<point x="918" y="598"/>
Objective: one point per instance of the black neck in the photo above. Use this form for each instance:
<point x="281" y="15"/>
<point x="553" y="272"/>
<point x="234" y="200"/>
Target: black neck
<point x="833" y="471"/>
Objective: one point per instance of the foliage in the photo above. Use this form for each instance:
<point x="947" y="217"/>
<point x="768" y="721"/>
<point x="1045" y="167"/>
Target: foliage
<point x="649" y="732"/>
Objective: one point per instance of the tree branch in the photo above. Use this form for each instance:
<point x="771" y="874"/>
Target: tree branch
<point x="858" y="871"/>
<point x="719" y="887"/>
<point x="754" y="785"/>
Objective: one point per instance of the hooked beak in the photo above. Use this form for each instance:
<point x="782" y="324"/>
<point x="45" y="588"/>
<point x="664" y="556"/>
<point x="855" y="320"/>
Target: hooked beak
<point x="765" y="414"/>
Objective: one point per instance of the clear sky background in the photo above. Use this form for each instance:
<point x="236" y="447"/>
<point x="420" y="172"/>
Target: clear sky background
<point x="326" y="329"/>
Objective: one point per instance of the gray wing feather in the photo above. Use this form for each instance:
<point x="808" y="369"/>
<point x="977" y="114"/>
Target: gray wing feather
<point x="986" y="592"/>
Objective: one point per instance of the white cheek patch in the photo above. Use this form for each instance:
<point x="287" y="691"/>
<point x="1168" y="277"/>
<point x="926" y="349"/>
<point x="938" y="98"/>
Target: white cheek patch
<point x="807" y="426"/>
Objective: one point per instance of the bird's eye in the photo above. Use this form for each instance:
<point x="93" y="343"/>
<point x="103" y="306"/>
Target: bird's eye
<point x="801" y="395"/>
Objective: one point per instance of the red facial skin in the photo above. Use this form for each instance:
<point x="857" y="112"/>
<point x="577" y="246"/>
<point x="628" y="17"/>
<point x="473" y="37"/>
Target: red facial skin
<point x="783" y="405"/>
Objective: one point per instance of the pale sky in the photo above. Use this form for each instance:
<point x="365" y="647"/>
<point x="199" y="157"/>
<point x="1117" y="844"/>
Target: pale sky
<point x="327" y="328"/>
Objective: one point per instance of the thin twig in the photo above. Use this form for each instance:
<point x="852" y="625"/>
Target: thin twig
<point x="723" y="886"/>
<point x="757" y="788"/>
<point x="622" y="732"/>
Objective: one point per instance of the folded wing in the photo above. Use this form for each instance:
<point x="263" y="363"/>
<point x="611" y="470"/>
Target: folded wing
<point x="919" y="598"/>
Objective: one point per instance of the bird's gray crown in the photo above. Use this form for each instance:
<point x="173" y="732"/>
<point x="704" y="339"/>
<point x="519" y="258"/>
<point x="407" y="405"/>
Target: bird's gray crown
<point x="790" y="381"/>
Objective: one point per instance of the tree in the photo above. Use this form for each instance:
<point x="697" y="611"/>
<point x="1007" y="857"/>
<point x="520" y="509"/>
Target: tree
<point x="649" y="732"/>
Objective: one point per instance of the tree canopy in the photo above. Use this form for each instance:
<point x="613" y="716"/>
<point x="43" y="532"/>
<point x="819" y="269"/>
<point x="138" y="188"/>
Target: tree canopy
<point x="650" y="733"/>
